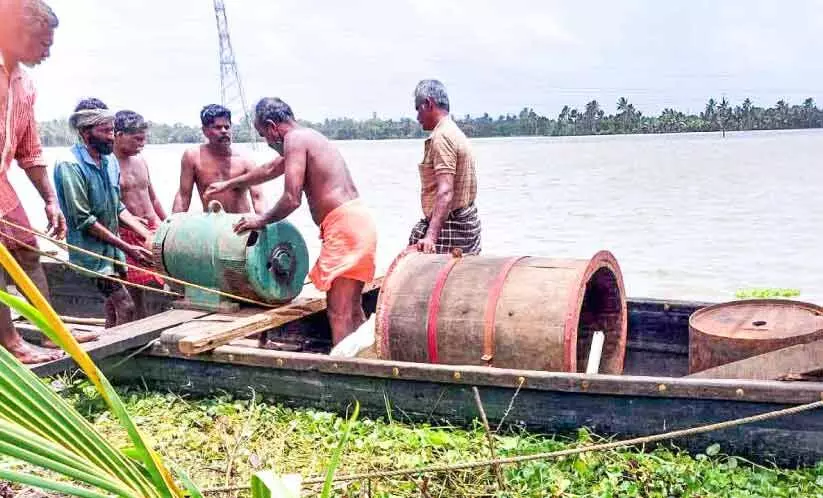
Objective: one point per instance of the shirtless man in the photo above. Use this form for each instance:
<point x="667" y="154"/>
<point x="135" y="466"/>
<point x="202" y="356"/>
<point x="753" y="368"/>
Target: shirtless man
<point x="137" y="194"/>
<point x="215" y="162"/>
<point x="314" y="166"/>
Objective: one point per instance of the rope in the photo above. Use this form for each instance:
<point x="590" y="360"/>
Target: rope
<point x="66" y="245"/>
<point x="95" y="273"/>
<point x="553" y="454"/>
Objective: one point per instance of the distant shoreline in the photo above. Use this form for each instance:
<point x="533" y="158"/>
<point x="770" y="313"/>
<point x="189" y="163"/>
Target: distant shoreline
<point x="718" y="116"/>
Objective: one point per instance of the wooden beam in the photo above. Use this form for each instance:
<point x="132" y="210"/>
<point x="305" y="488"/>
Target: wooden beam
<point x="793" y="361"/>
<point x="31" y="333"/>
<point x="244" y="327"/>
<point x="121" y="338"/>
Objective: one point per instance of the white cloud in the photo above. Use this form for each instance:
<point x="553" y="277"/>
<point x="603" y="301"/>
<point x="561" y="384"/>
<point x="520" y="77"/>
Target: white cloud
<point x="331" y="59"/>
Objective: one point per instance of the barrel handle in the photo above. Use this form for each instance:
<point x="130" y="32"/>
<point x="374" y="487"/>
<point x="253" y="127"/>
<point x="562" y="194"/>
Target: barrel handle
<point x="215" y="206"/>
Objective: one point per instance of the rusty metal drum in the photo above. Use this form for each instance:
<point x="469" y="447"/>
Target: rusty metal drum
<point x="269" y="265"/>
<point x="509" y="312"/>
<point x="728" y="332"/>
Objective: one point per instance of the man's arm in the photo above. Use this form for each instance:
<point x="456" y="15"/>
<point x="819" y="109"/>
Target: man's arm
<point x="442" y="203"/>
<point x="255" y="176"/>
<point x="78" y="209"/>
<point x="56" y="222"/>
<point x="29" y="158"/>
<point x="256" y="193"/>
<point x="139" y="253"/>
<point x="182" y="200"/>
<point x="445" y="167"/>
<point x="155" y="202"/>
<point x="294" y="164"/>
<point x="257" y="200"/>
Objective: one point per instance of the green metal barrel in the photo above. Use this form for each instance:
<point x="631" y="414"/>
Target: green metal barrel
<point x="268" y="265"/>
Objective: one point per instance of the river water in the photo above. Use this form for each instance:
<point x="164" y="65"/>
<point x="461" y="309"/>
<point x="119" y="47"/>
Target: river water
<point x="688" y="216"/>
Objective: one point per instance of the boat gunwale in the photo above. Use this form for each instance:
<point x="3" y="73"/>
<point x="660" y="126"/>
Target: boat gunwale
<point x="778" y="392"/>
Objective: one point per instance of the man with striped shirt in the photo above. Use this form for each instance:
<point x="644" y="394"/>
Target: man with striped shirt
<point x="26" y="35"/>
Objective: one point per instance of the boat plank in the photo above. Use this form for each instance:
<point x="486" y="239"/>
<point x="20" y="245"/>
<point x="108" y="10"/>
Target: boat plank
<point x="121" y="338"/>
<point x="633" y="386"/>
<point x="797" y="360"/>
<point x="244" y="327"/>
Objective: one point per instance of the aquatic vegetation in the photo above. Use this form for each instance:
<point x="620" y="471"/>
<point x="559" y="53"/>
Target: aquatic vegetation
<point x="766" y="293"/>
<point x="222" y="440"/>
<point x="38" y="427"/>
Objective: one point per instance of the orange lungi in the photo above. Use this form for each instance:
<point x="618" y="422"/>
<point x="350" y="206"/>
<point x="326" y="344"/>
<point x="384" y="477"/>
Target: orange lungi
<point x="349" y="245"/>
<point x="129" y="236"/>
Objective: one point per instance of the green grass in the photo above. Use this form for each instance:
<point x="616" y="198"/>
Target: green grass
<point x="766" y="293"/>
<point x="221" y="440"/>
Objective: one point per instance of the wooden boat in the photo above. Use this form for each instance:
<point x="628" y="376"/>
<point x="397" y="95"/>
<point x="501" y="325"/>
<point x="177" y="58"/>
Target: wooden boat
<point x="652" y="396"/>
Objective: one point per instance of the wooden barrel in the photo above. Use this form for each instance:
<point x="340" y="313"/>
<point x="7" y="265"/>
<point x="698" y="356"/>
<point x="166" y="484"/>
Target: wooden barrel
<point x="517" y="312"/>
<point x="729" y="332"/>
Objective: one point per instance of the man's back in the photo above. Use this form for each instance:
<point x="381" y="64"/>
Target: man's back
<point x="328" y="182"/>
<point x="448" y="150"/>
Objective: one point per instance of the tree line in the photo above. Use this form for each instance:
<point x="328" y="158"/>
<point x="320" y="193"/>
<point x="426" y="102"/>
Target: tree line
<point x="718" y="115"/>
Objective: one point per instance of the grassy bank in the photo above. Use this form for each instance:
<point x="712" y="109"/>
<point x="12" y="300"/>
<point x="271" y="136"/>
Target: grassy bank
<point x="221" y="441"/>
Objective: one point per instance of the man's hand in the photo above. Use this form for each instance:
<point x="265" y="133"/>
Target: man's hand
<point x="216" y="188"/>
<point x="426" y="245"/>
<point x="141" y="254"/>
<point x="56" y="222"/>
<point x="143" y="221"/>
<point x="246" y="223"/>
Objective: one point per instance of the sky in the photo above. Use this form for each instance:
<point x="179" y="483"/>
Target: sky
<point x="331" y="59"/>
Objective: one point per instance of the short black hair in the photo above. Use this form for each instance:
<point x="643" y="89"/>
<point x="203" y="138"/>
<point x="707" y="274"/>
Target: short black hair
<point x="90" y="103"/>
<point x="272" y="109"/>
<point x="129" y="122"/>
<point x="213" y="111"/>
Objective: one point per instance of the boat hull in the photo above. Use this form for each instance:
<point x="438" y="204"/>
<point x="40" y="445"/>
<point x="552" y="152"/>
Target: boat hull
<point x="651" y="397"/>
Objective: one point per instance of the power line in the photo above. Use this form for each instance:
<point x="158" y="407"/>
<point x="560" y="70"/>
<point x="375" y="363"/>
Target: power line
<point x="231" y="87"/>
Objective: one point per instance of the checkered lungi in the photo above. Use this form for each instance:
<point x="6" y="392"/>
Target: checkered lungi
<point x="460" y="230"/>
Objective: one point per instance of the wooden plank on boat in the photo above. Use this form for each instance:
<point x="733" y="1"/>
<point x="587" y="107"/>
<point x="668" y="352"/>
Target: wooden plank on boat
<point x="244" y="327"/>
<point x="31" y="333"/>
<point x="121" y="338"/>
<point x="793" y="361"/>
<point x="633" y="386"/>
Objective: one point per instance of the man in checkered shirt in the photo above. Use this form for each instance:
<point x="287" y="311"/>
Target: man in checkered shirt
<point x="448" y="183"/>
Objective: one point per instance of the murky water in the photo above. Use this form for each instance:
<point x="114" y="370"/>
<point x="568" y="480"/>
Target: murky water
<point x="691" y="216"/>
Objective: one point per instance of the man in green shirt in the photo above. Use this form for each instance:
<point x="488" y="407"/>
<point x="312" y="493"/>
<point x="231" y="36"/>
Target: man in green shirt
<point x="87" y="181"/>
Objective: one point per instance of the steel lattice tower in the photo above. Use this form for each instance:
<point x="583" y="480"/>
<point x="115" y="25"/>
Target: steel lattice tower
<point x="231" y="88"/>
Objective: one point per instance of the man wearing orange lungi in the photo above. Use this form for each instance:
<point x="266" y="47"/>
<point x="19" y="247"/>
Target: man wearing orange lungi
<point x="312" y="164"/>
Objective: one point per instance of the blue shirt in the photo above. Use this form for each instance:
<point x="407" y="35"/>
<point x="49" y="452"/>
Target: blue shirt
<point x="89" y="193"/>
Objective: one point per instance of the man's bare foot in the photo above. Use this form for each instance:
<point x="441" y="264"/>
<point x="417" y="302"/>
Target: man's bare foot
<point x="26" y="354"/>
<point x="81" y="337"/>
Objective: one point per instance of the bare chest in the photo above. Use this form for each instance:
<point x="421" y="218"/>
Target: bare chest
<point x="210" y="170"/>
<point x="133" y="174"/>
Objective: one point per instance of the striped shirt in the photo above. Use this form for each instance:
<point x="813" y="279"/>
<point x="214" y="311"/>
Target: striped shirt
<point x="18" y="131"/>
